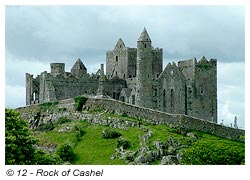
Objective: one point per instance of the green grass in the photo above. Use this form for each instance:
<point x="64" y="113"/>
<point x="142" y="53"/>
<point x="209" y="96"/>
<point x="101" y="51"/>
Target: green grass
<point x="92" y="149"/>
<point x="53" y="137"/>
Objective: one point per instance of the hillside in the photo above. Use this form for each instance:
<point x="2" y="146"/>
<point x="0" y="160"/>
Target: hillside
<point x="99" y="136"/>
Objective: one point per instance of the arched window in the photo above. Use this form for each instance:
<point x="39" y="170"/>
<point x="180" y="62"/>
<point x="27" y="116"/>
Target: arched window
<point x="172" y="98"/>
<point x="164" y="98"/>
<point x="201" y="91"/>
<point x="133" y="99"/>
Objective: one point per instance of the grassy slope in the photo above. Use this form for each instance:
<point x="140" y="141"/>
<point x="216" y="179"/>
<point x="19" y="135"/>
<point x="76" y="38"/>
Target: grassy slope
<point x="92" y="148"/>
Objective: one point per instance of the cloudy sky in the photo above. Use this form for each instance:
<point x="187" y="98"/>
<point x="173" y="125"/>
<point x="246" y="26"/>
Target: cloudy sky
<point x="38" y="35"/>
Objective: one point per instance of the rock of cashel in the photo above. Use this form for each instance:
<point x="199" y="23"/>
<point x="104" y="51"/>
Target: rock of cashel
<point x="135" y="76"/>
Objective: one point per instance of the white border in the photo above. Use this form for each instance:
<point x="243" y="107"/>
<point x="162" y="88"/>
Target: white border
<point x="139" y="172"/>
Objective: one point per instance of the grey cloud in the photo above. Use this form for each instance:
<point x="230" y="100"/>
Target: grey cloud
<point x="46" y="32"/>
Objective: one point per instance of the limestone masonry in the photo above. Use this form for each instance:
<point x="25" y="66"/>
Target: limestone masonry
<point x="135" y="76"/>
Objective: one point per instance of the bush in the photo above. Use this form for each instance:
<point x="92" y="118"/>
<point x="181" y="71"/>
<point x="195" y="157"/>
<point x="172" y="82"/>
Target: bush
<point x="19" y="141"/>
<point x="66" y="153"/>
<point x="79" y="102"/>
<point x="214" y="154"/>
<point x="123" y="143"/>
<point x="109" y="134"/>
<point x="42" y="158"/>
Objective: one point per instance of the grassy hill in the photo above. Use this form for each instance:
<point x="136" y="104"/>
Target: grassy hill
<point x="102" y="138"/>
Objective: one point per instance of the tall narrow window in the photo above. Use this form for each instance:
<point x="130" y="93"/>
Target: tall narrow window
<point x="172" y="98"/>
<point x="34" y="97"/>
<point x="116" y="58"/>
<point x="145" y="45"/>
<point x="133" y="99"/>
<point x="201" y="91"/>
<point x="164" y="98"/>
<point x="114" y="95"/>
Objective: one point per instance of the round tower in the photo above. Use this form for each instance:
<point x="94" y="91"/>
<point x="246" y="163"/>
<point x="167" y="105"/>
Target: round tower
<point x="144" y="71"/>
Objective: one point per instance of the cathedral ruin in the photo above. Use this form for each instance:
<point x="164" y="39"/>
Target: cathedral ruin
<point x="135" y="76"/>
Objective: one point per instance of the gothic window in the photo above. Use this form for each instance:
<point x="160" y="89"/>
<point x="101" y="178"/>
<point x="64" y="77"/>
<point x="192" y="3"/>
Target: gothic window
<point x="172" y="98"/>
<point x="201" y="91"/>
<point x="172" y="72"/>
<point x="133" y="99"/>
<point x="34" y="96"/>
<point x="114" y="95"/>
<point x="116" y="58"/>
<point x="145" y="45"/>
<point x="164" y="98"/>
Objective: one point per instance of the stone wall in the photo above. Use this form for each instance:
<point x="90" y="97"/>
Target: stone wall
<point x="172" y="120"/>
<point x="148" y="115"/>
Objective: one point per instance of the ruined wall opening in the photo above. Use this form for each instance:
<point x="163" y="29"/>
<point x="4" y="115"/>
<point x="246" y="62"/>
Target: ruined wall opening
<point x="114" y="95"/>
<point x="164" y="98"/>
<point x="201" y="91"/>
<point x="133" y="99"/>
<point x="172" y="98"/>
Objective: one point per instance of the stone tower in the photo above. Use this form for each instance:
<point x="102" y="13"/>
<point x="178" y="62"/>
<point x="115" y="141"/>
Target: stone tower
<point x="144" y="73"/>
<point x="102" y="79"/>
<point x="57" y="68"/>
<point x="205" y="85"/>
<point x="78" y="69"/>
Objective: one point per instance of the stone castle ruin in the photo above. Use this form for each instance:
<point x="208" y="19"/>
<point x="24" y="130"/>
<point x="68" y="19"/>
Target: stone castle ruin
<point x="135" y="76"/>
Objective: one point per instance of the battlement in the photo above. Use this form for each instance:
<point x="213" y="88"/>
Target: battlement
<point x="203" y="62"/>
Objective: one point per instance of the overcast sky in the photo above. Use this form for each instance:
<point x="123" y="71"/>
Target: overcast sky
<point x="39" y="35"/>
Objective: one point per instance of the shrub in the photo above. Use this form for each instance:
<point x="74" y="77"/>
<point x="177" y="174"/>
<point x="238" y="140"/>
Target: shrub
<point x="79" y="102"/>
<point x="66" y="153"/>
<point x="42" y="158"/>
<point x="108" y="134"/>
<point x="123" y="143"/>
<point x="214" y="153"/>
<point x="19" y="140"/>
